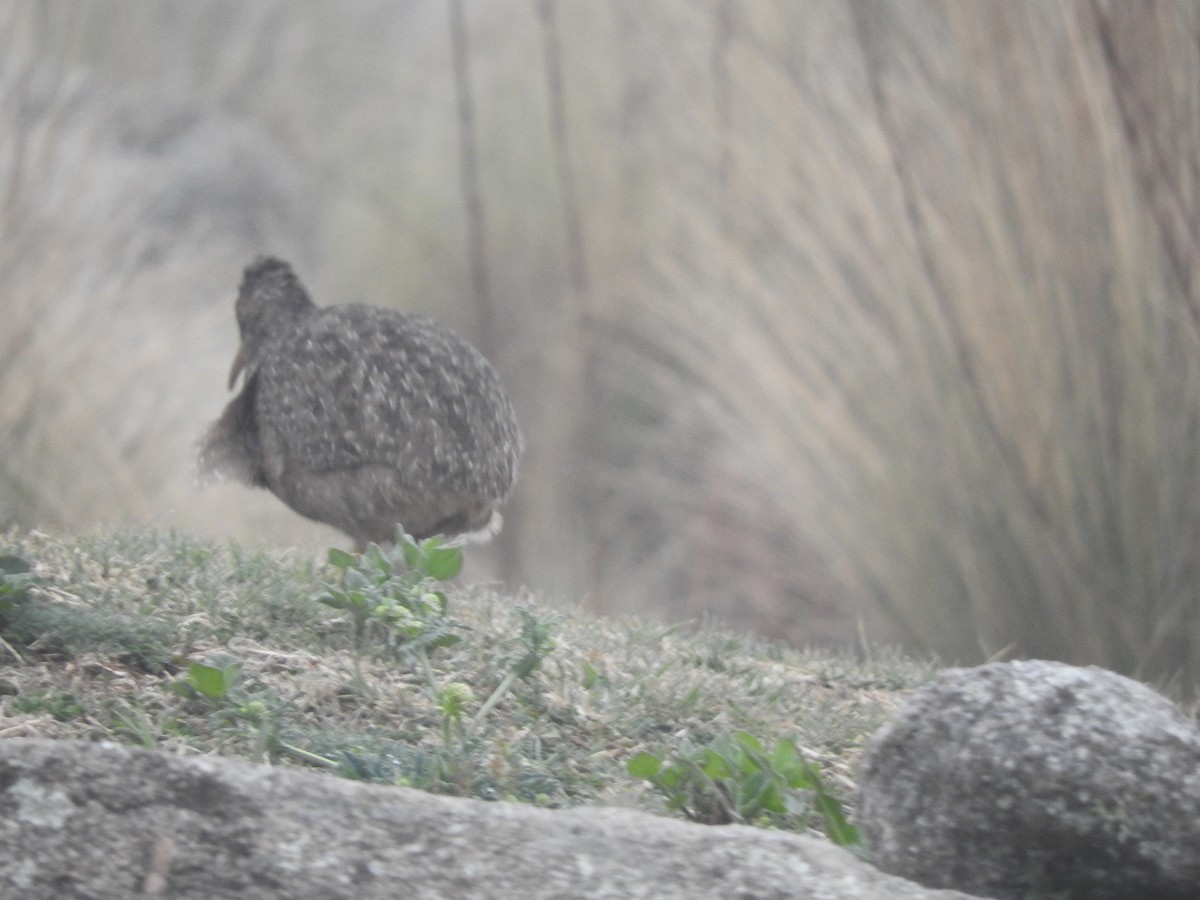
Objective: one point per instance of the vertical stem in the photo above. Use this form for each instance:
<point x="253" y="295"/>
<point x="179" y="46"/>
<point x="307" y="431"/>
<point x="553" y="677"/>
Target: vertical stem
<point x="572" y="221"/>
<point x="430" y="678"/>
<point x="723" y="103"/>
<point x="468" y="143"/>
<point x="583" y="374"/>
<point x="495" y="697"/>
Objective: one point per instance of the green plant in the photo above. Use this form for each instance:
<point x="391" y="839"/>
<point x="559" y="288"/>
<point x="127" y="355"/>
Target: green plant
<point x="464" y="762"/>
<point x="735" y="779"/>
<point x="536" y="642"/>
<point x="16" y="577"/>
<point x="217" y="683"/>
<point x="102" y="604"/>
<point x="396" y="592"/>
<point x="213" y="680"/>
<point x="453" y="701"/>
<point x="47" y="625"/>
<point x="134" y="718"/>
<point x="63" y="706"/>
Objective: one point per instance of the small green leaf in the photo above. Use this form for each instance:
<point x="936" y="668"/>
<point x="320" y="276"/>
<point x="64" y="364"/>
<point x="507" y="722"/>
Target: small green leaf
<point x="356" y="581"/>
<point x="804" y="775"/>
<point x="784" y="756"/>
<point x="213" y="682"/>
<point x="771" y="798"/>
<point x="442" y="563"/>
<point x="671" y="776"/>
<point x="837" y="828"/>
<point x="413" y="557"/>
<point x="432" y="603"/>
<point x="748" y="741"/>
<point x="184" y="689"/>
<point x="374" y="557"/>
<point x="336" y="599"/>
<point x="714" y="765"/>
<point x="445" y="640"/>
<point x="340" y="559"/>
<point x="591" y="676"/>
<point x="644" y="765"/>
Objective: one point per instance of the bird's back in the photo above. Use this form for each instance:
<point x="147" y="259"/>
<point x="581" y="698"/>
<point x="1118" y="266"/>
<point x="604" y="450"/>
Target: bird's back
<point x="355" y="386"/>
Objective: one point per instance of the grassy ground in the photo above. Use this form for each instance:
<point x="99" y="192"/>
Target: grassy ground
<point x="101" y="641"/>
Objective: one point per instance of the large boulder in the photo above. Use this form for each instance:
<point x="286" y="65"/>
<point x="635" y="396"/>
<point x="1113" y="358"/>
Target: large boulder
<point x="103" y="821"/>
<point x="1037" y="777"/>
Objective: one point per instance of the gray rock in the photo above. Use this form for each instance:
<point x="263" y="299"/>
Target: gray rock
<point x="1037" y="778"/>
<point x="102" y="821"/>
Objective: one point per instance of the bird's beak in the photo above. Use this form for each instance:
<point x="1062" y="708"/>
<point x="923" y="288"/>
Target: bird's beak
<point x="236" y="369"/>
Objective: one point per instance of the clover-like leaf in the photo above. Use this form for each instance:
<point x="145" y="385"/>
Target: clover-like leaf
<point x="644" y="765"/>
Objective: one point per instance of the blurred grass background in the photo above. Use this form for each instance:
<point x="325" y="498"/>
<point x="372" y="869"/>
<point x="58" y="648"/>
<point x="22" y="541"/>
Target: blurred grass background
<point x="838" y="320"/>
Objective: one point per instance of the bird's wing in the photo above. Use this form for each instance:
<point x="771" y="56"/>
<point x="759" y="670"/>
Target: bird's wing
<point x="361" y="386"/>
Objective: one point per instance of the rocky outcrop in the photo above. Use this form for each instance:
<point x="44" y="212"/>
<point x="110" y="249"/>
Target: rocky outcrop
<point x="1037" y="778"/>
<point x="101" y="821"/>
<point x="1010" y="780"/>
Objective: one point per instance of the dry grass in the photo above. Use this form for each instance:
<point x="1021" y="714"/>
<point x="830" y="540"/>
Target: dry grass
<point x="941" y="357"/>
<point x="98" y="647"/>
<point x="822" y="318"/>
<point x="121" y="220"/>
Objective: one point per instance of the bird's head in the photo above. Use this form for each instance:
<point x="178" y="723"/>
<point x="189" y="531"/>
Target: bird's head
<point x="270" y="299"/>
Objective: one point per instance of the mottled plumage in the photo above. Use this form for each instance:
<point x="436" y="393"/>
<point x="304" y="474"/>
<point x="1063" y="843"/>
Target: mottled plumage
<point x="363" y="418"/>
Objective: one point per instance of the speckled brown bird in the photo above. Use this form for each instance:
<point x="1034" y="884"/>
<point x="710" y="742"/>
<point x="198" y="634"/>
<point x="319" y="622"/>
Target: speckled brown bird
<point x="362" y="418"/>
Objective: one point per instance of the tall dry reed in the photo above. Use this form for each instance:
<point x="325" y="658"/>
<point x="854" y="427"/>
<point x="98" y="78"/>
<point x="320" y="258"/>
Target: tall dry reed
<point x="839" y="319"/>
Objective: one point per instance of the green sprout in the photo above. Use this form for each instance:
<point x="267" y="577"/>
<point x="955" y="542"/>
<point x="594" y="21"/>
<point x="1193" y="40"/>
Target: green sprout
<point x="735" y="779"/>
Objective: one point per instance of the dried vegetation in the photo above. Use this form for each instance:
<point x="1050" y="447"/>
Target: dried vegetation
<point x="823" y="318"/>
